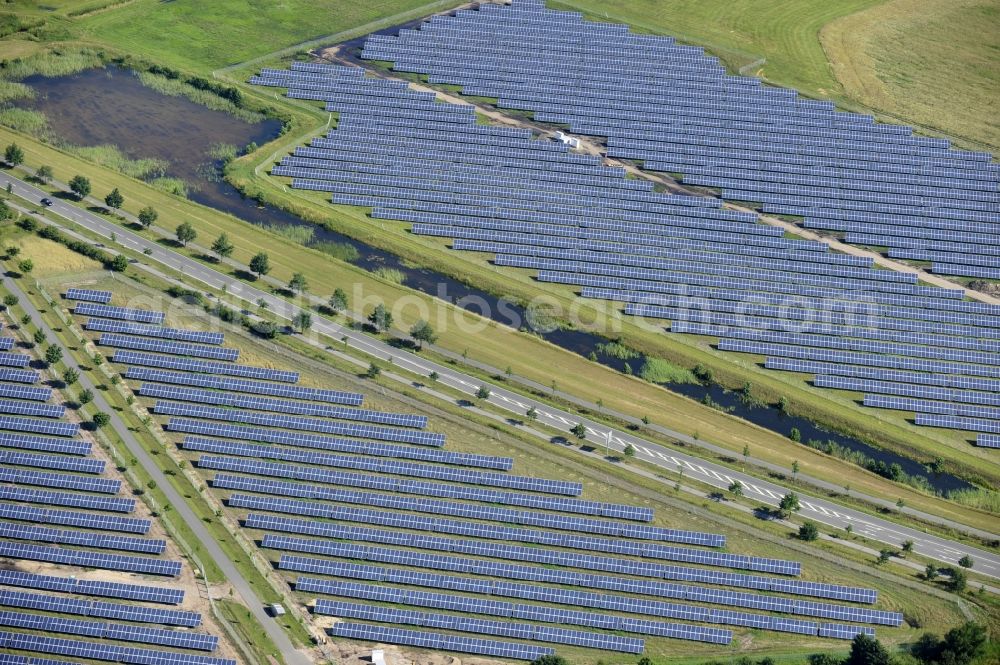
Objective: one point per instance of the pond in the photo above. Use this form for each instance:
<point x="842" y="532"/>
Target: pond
<point x="111" y="106"/>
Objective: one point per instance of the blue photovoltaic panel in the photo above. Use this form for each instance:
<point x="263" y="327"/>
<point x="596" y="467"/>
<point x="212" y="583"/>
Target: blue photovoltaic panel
<point x="298" y="423"/>
<point x="39" y="426"/>
<point x="244" y="386"/>
<point x="438" y="641"/>
<point x="89" y="295"/>
<point x="105" y="610"/>
<point x="31" y="409"/>
<point x="121" y="313"/>
<point x="111" y="631"/>
<point x="376" y="465"/>
<point x="86" y="559"/>
<point x="14" y="360"/>
<point x="216" y="397"/>
<point x="98" y="521"/>
<point x="988" y="440"/>
<point x="78" y="649"/>
<point x="80" y="587"/>
<point x="481" y="626"/>
<point x="81" y="538"/>
<point x="132" y="328"/>
<point x="189" y="365"/>
<point x="25" y="392"/>
<point x="53" y="462"/>
<point x="60" y="480"/>
<point x="29" y="442"/>
<point x="18" y="375"/>
<point x="67" y="499"/>
<point x="166" y="346"/>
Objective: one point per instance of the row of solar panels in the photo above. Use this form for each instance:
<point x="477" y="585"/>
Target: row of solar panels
<point x="521" y="553"/>
<point x="554" y="576"/>
<point x="216" y="397"/>
<point x="523" y="631"/>
<point x="110" y="631"/>
<point x="413" y="487"/>
<point x="99" y="609"/>
<point x="558" y="596"/>
<point x="387" y="466"/>
<point x="85" y="587"/>
<point x="95" y="651"/>
<point x="97" y="521"/>
<point x="43" y="534"/>
<point x="540" y="613"/>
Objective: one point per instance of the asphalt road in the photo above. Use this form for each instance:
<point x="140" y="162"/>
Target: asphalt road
<point x="818" y="509"/>
<point x="249" y="599"/>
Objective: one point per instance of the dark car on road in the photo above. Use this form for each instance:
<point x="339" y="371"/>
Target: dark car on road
<point x="46" y="202"/>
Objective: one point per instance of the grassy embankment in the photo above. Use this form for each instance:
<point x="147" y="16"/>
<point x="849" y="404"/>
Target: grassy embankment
<point x="502" y="346"/>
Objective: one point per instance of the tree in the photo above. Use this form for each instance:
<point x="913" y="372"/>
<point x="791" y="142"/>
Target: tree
<point x="644" y="661"/>
<point x="433" y="376"/>
<point x="866" y="650"/>
<point x="44" y="173"/>
<point x="959" y="580"/>
<point x="788" y="504"/>
<point x="579" y="431"/>
<point x="38" y="336"/>
<point x="13" y="155"/>
<point x="80" y="186"/>
<point x="260" y="264"/>
<point x="100" y="419"/>
<point x="746" y="455"/>
<point x="907" y="547"/>
<point x="965" y="561"/>
<point x="532" y="413"/>
<point x="303" y="321"/>
<point x="10" y="300"/>
<point x="298" y="283"/>
<point x="883" y="556"/>
<point x="423" y="332"/>
<point x="483" y="393"/>
<point x="186" y="233"/>
<point x="629" y="451"/>
<point x="86" y="397"/>
<point x="70" y="376"/>
<point x="808" y="531"/>
<point x="736" y="488"/>
<point x="222" y="247"/>
<point x="114" y="199"/>
<point x="53" y="354"/>
<point x="795" y="470"/>
<point x="373" y="371"/>
<point x="338" y="301"/>
<point x="26" y="266"/>
<point x="380" y="318"/>
<point x="147" y="216"/>
<point x="930" y="572"/>
<point x="795" y="435"/>
<point x="960" y="646"/>
<point x="550" y="659"/>
<point x="119" y="263"/>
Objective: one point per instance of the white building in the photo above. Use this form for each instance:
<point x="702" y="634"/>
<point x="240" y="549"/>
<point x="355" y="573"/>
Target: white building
<point x="571" y="141"/>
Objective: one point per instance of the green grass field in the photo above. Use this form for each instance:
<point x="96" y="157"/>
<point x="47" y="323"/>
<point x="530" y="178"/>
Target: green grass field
<point x="208" y="35"/>
<point x="931" y="63"/>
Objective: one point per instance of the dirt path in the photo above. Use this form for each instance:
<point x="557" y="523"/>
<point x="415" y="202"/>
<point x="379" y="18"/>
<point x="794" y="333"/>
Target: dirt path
<point x="336" y="54"/>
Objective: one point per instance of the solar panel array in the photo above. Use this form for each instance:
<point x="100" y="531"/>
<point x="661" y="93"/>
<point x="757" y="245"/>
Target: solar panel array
<point x="120" y="313"/>
<point x="131" y="328"/>
<point x="399" y="498"/>
<point x="89" y="295"/>
<point x="57" y="509"/>
<point x="708" y="270"/>
<point x="677" y="110"/>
